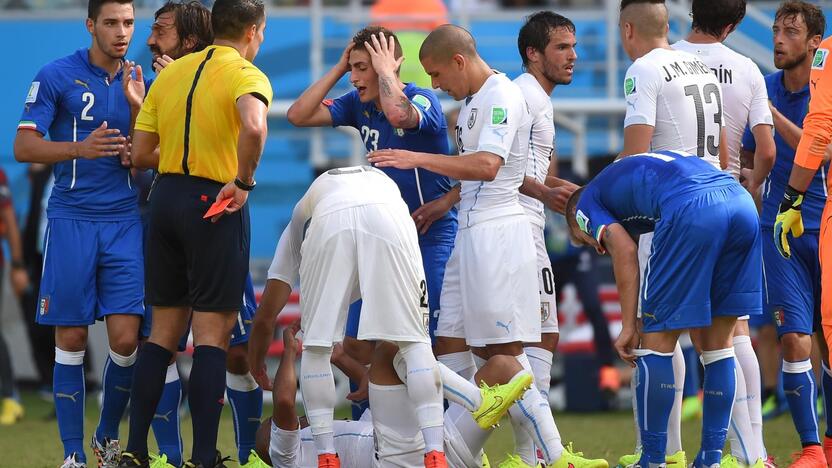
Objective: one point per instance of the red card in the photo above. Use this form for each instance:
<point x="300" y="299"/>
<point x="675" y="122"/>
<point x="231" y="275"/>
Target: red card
<point x="217" y="208"/>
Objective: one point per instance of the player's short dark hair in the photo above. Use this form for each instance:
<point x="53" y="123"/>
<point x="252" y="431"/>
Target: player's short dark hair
<point x="94" y="7"/>
<point x="713" y="16"/>
<point x="193" y="19"/>
<point x="626" y="3"/>
<point x="535" y="31"/>
<point x="231" y="18"/>
<point x="811" y="13"/>
<point x="366" y="35"/>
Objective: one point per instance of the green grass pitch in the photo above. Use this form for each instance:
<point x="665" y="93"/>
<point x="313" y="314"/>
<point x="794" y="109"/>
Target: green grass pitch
<point x="34" y="442"/>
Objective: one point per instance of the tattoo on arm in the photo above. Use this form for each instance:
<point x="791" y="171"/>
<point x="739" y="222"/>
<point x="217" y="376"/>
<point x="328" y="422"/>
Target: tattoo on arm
<point x="406" y="107"/>
<point x="386" y="86"/>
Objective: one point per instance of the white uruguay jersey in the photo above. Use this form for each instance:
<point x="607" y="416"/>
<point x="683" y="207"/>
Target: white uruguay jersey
<point x="336" y="189"/>
<point x="495" y="119"/>
<point x="743" y="93"/>
<point x="541" y="143"/>
<point x="676" y="93"/>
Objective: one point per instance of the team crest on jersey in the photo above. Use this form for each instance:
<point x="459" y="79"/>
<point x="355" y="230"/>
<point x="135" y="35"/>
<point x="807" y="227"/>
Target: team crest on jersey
<point x="629" y="86"/>
<point x="43" y="308"/>
<point x="32" y="96"/>
<point x="544" y="312"/>
<point x="779" y="317"/>
<point x="499" y="116"/>
<point x="422" y="101"/>
<point x="472" y="118"/>
<point x="820" y="59"/>
<point x="399" y="132"/>
<point x="583" y="221"/>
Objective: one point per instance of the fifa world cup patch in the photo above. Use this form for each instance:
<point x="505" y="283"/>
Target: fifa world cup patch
<point x="544" y="312"/>
<point x="43" y="307"/>
<point x="583" y="222"/>
<point x="819" y="62"/>
<point x="630" y="86"/>
<point x="32" y="96"/>
<point x="422" y="101"/>
<point x="499" y="116"/>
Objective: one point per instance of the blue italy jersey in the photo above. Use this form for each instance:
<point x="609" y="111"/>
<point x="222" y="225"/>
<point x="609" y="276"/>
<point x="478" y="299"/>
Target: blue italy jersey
<point x="418" y="186"/>
<point x="794" y="106"/>
<point x="68" y="99"/>
<point x="636" y="190"/>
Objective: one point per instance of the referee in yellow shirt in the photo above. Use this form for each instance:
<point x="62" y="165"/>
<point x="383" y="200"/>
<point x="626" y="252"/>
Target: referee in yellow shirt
<point x="206" y="112"/>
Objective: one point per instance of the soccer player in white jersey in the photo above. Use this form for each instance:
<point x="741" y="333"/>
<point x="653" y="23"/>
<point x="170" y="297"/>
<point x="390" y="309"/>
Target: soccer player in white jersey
<point x="674" y="102"/>
<point x="388" y="435"/>
<point x="546" y="44"/>
<point x="746" y="105"/>
<point x="489" y="299"/>
<point x="351" y="236"/>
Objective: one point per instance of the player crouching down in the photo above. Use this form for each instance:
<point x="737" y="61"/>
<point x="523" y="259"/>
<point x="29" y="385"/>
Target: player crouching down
<point x="704" y="271"/>
<point x="351" y="236"/>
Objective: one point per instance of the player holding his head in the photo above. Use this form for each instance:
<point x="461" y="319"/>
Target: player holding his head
<point x="489" y="299"/>
<point x="93" y="267"/>
<point x="705" y="271"/>
<point x="180" y="29"/>
<point x="391" y="114"/>
<point x="794" y="295"/>
<point x="745" y="105"/>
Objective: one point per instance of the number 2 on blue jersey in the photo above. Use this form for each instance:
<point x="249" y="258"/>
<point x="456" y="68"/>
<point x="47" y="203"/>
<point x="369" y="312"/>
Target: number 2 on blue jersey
<point x="370" y="137"/>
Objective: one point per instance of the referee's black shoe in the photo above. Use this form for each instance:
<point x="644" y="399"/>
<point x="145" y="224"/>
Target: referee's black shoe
<point x="131" y="460"/>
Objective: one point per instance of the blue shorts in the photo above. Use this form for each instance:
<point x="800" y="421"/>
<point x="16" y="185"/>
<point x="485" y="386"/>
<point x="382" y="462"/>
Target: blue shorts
<point x="791" y="288"/>
<point x="434" y="259"/>
<point x="91" y="269"/>
<point x="240" y="332"/>
<point x="705" y="261"/>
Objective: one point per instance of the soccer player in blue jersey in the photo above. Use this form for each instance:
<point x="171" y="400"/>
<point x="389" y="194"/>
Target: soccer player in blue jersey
<point x="391" y="114"/>
<point x="93" y="263"/>
<point x="704" y="271"/>
<point x="792" y="287"/>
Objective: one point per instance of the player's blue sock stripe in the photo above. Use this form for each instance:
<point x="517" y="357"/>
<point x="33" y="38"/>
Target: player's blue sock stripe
<point x="745" y="460"/>
<point x="166" y="422"/>
<point x="116" y="382"/>
<point x="542" y="443"/>
<point x="799" y="387"/>
<point x="720" y="391"/>
<point x="460" y="395"/>
<point x="655" y="392"/>
<point x="69" y="394"/>
<point x="246" y="406"/>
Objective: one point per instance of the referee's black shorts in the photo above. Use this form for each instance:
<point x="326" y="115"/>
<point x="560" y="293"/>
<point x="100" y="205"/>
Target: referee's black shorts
<point x="190" y="261"/>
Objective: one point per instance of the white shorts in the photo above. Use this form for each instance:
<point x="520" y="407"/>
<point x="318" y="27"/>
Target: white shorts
<point x="371" y="252"/>
<point x="545" y="284"/>
<point x="489" y="294"/>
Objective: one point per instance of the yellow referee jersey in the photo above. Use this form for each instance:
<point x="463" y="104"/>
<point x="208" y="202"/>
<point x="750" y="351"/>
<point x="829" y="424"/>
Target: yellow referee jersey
<point x="192" y="106"/>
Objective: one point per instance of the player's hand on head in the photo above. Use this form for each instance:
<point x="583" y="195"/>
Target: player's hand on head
<point x="400" y="159"/>
<point x="556" y="198"/>
<point x="238" y="199"/>
<point x="161" y="62"/>
<point x="382" y="53"/>
<point x="134" y="89"/>
<point x="102" y="142"/>
<point x="625" y="344"/>
<point x="344" y="61"/>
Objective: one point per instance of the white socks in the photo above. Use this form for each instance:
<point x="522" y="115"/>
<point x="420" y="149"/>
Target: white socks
<point x="424" y="387"/>
<point x="747" y="359"/>
<point x="534" y="415"/>
<point x="674" y="423"/>
<point x="318" y="389"/>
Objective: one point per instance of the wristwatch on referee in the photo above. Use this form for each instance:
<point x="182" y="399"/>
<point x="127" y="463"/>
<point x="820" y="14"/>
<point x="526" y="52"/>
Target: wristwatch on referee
<point x="244" y="186"/>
